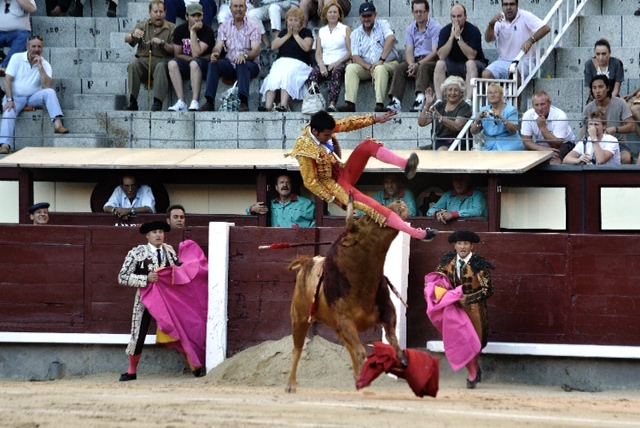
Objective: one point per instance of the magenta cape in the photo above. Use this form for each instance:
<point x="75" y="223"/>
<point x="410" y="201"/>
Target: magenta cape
<point x="461" y="342"/>
<point x="178" y="303"/>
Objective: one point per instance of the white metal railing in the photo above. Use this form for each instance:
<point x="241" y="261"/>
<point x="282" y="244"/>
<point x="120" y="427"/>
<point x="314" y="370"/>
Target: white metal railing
<point x="559" y="19"/>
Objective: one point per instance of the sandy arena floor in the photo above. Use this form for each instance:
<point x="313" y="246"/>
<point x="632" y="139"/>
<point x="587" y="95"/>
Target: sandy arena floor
<point x="248" y="391"/>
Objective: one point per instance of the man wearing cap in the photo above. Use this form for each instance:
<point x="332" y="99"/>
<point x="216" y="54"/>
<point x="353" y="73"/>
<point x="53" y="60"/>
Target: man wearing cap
<point x="153" y="37"/>
<point x="39" y="213"/>
<point x="374" y="54"/>
<point x="192" y="45"/>
<point x="130" y="199"/>
<point x="139" y="270"/>
<point x="465" y="268"/>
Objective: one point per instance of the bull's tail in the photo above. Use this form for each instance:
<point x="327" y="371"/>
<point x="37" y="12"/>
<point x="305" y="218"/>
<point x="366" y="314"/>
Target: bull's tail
<point x="395" y="291"/>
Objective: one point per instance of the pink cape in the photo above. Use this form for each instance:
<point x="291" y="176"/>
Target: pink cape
<point x="461" y="342"/>
<point x="178" y="302"/>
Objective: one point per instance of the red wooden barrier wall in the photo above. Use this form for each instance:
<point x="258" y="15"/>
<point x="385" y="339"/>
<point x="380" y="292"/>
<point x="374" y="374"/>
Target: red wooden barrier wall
<point x="549" y="288"/>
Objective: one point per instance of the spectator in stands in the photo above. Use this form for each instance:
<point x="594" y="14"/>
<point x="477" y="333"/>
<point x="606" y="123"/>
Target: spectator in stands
<point x="76" y="8"/>
<point x="326" y="176"/>
<point x="39" y="213"/>
<point x="293" y="66"/>
<point x="469" y="270"/>
<point x="155" y="35"/>
<point x="28" y="83"/>
<point x="374" y="54"/>
<point x="239" y="38"/>
<point x="462" y="202"/>
<point x="313" y="8"/>
<point x="395" y="191"/>
<point x="619" y="117"/>
<point x="603" y="63"/>
<point x="546" y="128"/>
<point x="421" y="54"/>
<point x="178" y="8"/>
<point x="333" y="52"/>
<point x="459" y="52"/>
<point x="450" y="116"/>
<point x="57" y="7"/>
<point x="224" y="12"/>
<point x="193" y="42"/>
<point x="513" y="30"/>
<point x="499" y="121"/>
<point x="633" y="101"/>
<point x="15" y="28"/>
<point x="272" y="11"/>
<point x="130" y="199"/>
<point x="288" y="209"/>
<point x="176" y="217"/>
<point x="112" y="8"/>
<point x="139" y="270"/>
<point x="598" y="147"/>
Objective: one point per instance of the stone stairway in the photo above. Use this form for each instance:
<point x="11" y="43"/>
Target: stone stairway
<point x="89" y="59"/>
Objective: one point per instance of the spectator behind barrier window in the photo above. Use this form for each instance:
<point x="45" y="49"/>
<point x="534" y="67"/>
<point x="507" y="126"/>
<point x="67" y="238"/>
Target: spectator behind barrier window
<point x="39" y="213"/>
<point x="176" y="217"/>
<point x="461" y="202"/>
<point x="395" y="191"/>
<point x="130" y="199"/>
<point x="288" y="209"/>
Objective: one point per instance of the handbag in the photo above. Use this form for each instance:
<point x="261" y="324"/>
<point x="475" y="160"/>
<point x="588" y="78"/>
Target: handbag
<point x="313" y="102"/>
<point x="230" y="102"/>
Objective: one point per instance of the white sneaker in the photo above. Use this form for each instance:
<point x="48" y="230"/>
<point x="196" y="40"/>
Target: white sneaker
<point x="179" y="106"/>
<point x="394" y="105"/>
<point x="194" y="106"/>
<point x="418" y="105"/>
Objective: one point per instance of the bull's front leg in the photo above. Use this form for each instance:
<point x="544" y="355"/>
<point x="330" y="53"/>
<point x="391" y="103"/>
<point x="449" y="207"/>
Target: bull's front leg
<point x="349" y="333"/>
<point x="388" y="320"/>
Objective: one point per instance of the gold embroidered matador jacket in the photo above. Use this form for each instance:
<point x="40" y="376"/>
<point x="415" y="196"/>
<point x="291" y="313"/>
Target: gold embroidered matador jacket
<point x="320" y="169"/>
<point x="476" y="286"/>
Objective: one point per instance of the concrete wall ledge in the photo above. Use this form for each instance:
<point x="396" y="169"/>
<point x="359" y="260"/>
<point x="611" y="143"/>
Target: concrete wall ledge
<point x="551" y="350"/>
<point x="70" y="338"/>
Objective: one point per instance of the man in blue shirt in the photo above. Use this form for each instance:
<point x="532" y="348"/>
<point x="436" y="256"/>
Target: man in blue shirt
<point x="463" y="201"/>
<point x="288" y="209"/>
<point x="393" y="191"/>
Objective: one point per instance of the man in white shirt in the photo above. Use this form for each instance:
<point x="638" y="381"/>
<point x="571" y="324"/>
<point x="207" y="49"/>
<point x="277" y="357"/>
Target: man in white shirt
<point x="130" y="199"/>
<point x="546" y="128"/>
<point x="28" y="83"/>
<point x="598" y="148"/>
<point x="513" y="30"/>
<point x="15" y="27"/>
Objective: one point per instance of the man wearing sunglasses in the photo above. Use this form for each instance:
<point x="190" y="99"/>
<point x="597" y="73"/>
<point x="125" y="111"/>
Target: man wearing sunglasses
<point x="513" y="30"/>
<point x="15" y="27"/>
<point x="28" y="83"/>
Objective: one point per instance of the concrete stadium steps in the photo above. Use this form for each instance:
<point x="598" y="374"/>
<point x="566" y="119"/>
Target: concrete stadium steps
<point x="199" y="130"/>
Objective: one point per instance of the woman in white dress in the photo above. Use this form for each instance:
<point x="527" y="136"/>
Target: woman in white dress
<point x="290" y="71"/>
<point x="333" y="52"/>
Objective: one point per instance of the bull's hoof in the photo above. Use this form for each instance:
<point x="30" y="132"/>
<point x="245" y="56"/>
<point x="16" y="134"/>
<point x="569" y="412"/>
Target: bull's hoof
<point x="291" y="389"/>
